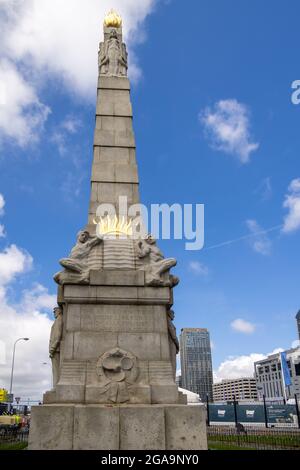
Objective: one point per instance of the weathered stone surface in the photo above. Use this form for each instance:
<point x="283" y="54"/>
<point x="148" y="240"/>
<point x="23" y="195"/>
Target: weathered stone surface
<point x="73" y="372"/>
<point x="114" y="103"/>
<point x="140" y="394"/>
<point x="67" y="346"/>
<point x="71" y="393"/>
<point x="117" y="155"/>
<point x="160" y="372"/>
<point x="115" y="173"/>
<point x="126" y="427"/>
<point x="114" y="139"/>
<point x="103" y="426"/>
<point x="73" y="318"/>
<point x="165" y="347"/>
<point x="90" y="345"/>
<point x="117" y="295"/>
<point x="51" y="428"/>
<point x="117" y="278"/>
<point x="104" y="192"/>
<point x="114" y="123"/>
<point x="164" y="394"/>
<point x="113" y="83"/>
<point x="186" y="428"/>
<point x="145" y="346"/>
<point x="142" y="428"/>
<point x="96" y="428"/>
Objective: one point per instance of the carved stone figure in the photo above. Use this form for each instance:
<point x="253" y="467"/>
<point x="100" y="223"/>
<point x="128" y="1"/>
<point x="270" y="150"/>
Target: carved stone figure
<point x="54" y="343"/>
<point x="76" y="266"/>
<point x="173" y="340"/>
<point x="113" y="57"/>
<point x="117" y="370"/>
<point x="155" y="264"/>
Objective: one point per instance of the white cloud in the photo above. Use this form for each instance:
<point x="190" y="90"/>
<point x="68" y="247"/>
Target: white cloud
<point x="51" y="38"/>
<point x="71" y="124"/>
<point x="296" y="343"/>
<point x="240" y="366"/>
<point x="13" y="261"/>
<point x="228" y="128"/>
<point x="260" y="242"/>
<point x="265" y="189"/>
<point x="60" y="137"/>
<point x="198" y="268"/>
<point x="292" y="204"/>
<point x="243" y="326"/>
<point x="31" y="378"/>
<point x="2" y="204"/>
<point x="2" y="231"/>
<point x="26" y="319"/>
<point x="22" y="115"/>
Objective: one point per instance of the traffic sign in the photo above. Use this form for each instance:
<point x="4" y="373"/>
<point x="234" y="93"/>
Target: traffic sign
<point x="10" y="398"/>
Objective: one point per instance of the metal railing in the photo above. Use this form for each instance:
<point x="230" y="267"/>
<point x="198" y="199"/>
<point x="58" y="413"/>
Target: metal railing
<point x="13" y="435"/>
<point x="232" y="438"/>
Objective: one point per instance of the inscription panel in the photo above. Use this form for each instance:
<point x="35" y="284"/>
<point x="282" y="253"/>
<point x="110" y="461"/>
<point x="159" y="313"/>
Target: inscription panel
<point x="118" y="318"/>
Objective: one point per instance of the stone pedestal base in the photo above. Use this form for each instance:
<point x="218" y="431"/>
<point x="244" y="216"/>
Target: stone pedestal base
<point x="115" y="427"/>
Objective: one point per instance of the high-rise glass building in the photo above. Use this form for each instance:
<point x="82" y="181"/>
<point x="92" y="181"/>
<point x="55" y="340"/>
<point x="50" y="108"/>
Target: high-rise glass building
<point x="196" y="362"/>
<point x="298" y="323"/>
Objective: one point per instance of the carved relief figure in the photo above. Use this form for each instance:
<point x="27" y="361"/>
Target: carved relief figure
<point x="173" y="340"/>
<point x="117" y="370"/>
<point x="113" y="56"/>
<point x="54" y="343"/>
<point x="155" y="264"/>
<point x="76" y="266"/>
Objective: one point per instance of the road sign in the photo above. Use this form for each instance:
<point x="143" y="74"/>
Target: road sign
<point x="18" y="400"/>
<point x="10" y="398"/>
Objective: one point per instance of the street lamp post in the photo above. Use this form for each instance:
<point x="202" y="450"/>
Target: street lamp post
<point x="13" y="363"/>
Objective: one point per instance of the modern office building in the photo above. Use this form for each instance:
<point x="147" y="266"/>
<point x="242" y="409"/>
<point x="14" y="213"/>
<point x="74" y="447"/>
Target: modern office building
<point x="242" y="389"/>
<point x="270" y="379"/>
<point x="298" y="323"/>
<point x="196" y="362"/>
<point x="178" y="381"/>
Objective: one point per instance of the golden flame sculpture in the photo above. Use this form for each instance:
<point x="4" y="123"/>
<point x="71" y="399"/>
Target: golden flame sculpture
<point x="113" y="20"/>
<point x="112" y="226"/>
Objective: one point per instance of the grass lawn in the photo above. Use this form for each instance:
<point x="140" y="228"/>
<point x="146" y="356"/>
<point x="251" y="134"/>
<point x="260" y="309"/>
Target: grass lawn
<point x="280" y="441"/>
<point x="13" y="446"/>
<point x="224" y="446"/>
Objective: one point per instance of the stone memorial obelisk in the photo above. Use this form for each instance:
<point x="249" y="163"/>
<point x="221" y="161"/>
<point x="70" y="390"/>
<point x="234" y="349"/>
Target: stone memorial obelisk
<point x="113" y="344"/>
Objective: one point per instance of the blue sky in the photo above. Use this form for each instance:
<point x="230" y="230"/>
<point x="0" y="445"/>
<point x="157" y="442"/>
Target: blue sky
<point x="187" y="59"/>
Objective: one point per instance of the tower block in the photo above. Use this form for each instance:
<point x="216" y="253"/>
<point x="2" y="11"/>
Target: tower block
<point x="113" y="344"/>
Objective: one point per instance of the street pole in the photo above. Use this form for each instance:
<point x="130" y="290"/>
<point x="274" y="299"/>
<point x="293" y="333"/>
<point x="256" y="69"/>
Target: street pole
<point x="207" y="405"/>
<point x="297" y="410"/>
<point x="235" y="411"/>
<point x="265" y="412"/>
<point x="13" y="365"/>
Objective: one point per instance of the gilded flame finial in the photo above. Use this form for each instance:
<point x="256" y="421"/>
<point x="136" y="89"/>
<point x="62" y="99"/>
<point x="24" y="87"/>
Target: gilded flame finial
<point x="113" y="20"/>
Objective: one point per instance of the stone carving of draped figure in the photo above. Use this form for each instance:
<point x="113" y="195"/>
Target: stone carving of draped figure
<point x="113" y="57"/>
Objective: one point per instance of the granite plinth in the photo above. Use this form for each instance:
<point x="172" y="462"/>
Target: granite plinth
<point x="128" y="427"/>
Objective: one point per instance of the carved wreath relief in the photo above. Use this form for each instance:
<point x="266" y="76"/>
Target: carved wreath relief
<point x="117" y="370"/>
